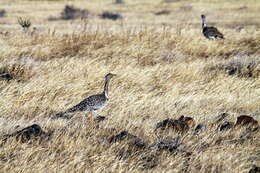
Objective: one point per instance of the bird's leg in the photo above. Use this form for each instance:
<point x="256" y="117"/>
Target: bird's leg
<point x="94" y="115"/>
<point x="85" y="117"/>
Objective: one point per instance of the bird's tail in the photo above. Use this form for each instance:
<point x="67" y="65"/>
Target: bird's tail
<point x="61" y="115"/>
<point x="72" y="109"/>
<point x="65" y="113"/>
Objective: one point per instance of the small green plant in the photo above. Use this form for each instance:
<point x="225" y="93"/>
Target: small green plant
<point x="25" y="23"/>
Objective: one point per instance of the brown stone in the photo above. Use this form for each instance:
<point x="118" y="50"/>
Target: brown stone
<point x="225" y="126"/>
<point x="254" y="169"/>
<point x="28" y="133"/>
<point x="245" y="120"/>
<point x="126" y="136"/>
<point x="169" y="144"/>
<point x="188" y="120"/>
<point x="181" y="125"/>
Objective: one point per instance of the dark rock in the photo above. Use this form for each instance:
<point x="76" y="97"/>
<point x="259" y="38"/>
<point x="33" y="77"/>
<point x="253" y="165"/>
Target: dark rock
<point x="254" y="169"/>
<point x="6" y="76"/>
<point x="225" y="126"/>
<point x="71" y="12"/>
<point x="110" y="15"/>
<point x="29" y="133"/>
<point x="2" y="13"/>
<point x="164" y="123"/>
<point x="188" y="120"/>
<point x="245" y="120"/>
<point x="126" y="136"/>
<point x="162" y="12"/>
<point x="15" y="71"/>
<point x="119" y="1"/>
<point x="200" y="127"/>
<point x="169" y="144"/>
<point x="183" y="124"/>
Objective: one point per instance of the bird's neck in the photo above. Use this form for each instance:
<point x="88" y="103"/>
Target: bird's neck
<point x="106" y="88"/>
<point x="204" y="23"/>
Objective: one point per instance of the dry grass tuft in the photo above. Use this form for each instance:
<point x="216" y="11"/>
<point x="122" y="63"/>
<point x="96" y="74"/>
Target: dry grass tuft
<point x="17" y="72"/>
<point x="241" y="66"/>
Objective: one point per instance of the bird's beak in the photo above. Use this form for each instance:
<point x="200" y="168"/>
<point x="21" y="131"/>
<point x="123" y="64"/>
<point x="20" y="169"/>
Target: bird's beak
<point x="114" y="74"/>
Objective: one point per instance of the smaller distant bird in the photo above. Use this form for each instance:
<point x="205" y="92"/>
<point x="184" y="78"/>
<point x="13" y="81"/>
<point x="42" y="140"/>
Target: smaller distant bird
<point x="210" y="32"/>
<point x="91" y="103"/>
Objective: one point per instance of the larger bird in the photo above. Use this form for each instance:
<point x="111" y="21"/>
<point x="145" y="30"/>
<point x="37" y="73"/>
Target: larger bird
<point x="91" y="103"/>
<point x="210" y="32"/>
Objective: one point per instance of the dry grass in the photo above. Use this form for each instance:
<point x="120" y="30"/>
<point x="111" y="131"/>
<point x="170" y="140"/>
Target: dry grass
<point x="165" y="69"/>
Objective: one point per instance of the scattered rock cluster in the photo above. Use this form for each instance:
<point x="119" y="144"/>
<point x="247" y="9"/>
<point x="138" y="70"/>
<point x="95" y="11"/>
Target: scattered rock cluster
<point x="254" y="169"/>
<point x="147" y="154"/>
<point x="182" y="124"/>
<point x="5" y="76"/>
<point x="33" y="132"/>
<point x="70" y="12"/>
<point x="17" y="71"/>
<point x="110" y="15"/>
<point x="2" y="13"/>
<point x="134" y="146"/>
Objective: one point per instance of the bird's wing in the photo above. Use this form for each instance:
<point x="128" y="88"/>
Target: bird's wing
<point x="90" y="101"/>
<point x="214" y="32"/>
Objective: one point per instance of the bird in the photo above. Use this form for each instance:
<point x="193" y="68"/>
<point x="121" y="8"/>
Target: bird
<point x="210" y="32"/>
<point x="91" y="103"/>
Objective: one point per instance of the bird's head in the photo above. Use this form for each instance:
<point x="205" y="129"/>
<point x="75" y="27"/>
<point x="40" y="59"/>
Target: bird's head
<point x="203" y="18"/>
<point x="109" y="76"/>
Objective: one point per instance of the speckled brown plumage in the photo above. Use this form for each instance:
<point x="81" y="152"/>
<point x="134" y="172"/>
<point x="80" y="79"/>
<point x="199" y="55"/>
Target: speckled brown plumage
<point x="91" y="103"/>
